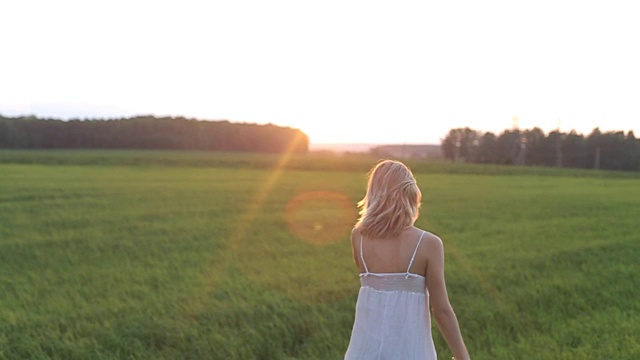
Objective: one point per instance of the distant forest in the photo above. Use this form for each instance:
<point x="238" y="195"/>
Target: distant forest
<point x="612" y="150"/>
<point x="149" y="132"/>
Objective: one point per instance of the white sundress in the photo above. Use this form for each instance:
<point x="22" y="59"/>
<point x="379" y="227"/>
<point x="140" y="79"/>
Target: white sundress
<point x="392" y="319"/>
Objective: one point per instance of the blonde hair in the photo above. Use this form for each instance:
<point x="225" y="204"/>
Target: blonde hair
<point x="392" y="201"/>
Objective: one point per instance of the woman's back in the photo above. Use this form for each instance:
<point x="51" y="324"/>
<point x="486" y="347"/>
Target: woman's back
<point x="392" y="255"/>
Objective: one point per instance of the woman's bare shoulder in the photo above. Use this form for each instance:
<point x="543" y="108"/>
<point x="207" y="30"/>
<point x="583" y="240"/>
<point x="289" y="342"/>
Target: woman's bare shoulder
<point x="431" y="239"/>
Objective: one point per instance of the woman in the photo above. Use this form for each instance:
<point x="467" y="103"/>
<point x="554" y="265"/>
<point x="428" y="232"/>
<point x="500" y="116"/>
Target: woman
<point x="401" y="271"/>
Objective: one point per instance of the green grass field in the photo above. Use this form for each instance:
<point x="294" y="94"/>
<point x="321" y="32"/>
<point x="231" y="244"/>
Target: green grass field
<point x="157" y="255"/>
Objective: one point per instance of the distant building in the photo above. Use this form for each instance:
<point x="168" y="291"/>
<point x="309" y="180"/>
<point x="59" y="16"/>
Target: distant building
<point x="340" y="148"/>
<point x="408" y="151"/>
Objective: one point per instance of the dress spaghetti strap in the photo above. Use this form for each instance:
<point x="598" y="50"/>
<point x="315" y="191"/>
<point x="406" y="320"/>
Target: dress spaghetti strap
<point x="414" y="252"/>
<point x="366" y="269"/>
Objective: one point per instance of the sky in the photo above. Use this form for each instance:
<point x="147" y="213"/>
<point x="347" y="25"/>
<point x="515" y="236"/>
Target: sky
<point x="341" y="71"/>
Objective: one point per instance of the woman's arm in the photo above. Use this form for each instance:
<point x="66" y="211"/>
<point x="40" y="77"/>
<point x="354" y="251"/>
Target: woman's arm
<point x="441" y="307"/>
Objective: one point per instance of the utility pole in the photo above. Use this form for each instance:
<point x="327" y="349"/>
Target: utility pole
<point x="458" y="144"/>
<point x="559" y="147"/>
<point x="522" y="152"/>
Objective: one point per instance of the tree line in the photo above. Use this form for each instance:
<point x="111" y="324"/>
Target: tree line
<point x="612" y="150"/>
<point x="149" y="132"/>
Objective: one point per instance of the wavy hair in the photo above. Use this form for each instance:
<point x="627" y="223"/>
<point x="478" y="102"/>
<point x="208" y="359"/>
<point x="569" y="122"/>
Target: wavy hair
<point x="392" y="201"/>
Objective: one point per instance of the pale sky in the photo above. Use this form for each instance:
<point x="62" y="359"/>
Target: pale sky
<point x="342" y="71"/>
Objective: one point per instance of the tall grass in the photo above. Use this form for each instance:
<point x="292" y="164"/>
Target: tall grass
<point x="173" y="261"/>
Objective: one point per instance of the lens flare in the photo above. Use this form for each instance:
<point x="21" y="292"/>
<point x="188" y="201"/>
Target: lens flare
<point x="320" y="217"/>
